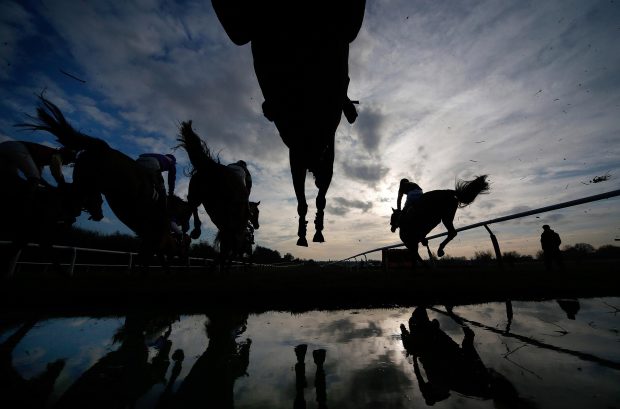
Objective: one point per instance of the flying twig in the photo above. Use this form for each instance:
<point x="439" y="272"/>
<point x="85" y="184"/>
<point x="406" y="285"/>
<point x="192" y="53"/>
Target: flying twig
<point x="72" y="76"/>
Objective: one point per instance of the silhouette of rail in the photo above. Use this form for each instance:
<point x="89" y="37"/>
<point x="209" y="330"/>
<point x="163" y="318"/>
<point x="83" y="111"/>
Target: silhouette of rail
<point x="588" y="199"/>
<point x="199" y="262"/>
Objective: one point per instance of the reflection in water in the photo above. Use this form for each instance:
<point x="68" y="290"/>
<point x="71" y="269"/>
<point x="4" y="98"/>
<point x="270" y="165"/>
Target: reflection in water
<point x="121" y="377"/>
<point x="15" y="391"/>
<point x="570" y="307"/>
<point x="450" y="366"/>
<point x="210" y="382"/>
<point x="300" y="377"/>
<point x="503" y="354"/>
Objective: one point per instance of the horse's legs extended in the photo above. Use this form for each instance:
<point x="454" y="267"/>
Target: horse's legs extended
<point x="412" y="246"/>
<point x="298" y="172"/>
<point x="323" y="179"/>
<point x="197" y="223"/>
<point x="448" y="222"/>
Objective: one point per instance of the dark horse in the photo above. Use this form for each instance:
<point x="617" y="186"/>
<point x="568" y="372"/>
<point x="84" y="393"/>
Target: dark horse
<point x="220" y="190"/>
<point x="126" y="185"/>
<point x="181" y="212"/>
<point x="301" y="53"/>
<point x="434" y="207"/>
<point x="37" y="216"/>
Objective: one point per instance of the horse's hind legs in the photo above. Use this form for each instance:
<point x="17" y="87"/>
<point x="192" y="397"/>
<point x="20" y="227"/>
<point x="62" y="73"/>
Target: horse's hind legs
<point x="318" y="225"/>
<point x="318" y="220"/>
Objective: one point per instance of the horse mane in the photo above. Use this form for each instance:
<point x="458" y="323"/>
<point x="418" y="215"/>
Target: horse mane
<point x="467" y="190"/>
<point x="49" y="118"/>
<point x="199" y="153"/>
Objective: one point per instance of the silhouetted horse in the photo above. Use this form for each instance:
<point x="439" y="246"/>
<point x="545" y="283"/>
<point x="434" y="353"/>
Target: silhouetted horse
<point x="36" y="216"/>
<point x="126" y="185"/>
<point x="301" y="53"/>
<point x="220" y="190"/>
<point x="434" y="207"/>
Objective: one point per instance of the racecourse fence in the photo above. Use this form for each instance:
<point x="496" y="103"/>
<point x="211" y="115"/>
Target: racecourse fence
<point x="193" y="262"/>
<point x="485" y="224"/>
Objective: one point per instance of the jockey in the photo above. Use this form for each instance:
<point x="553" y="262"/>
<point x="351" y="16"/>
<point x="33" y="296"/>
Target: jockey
<point x="241" y="169"/>
<point x="30" y="158"/>
<point x="413" y="192"/>
<point x="157" y="163"/>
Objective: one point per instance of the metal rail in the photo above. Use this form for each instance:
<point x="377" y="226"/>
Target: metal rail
<point x="570" y="203"/>
<point x="74" y="251"/>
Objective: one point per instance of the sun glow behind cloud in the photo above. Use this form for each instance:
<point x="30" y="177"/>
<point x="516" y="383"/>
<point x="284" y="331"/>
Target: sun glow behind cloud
<point x="525" y="92"/>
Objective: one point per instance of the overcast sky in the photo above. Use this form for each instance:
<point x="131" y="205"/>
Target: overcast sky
<point x="525" y="91"/>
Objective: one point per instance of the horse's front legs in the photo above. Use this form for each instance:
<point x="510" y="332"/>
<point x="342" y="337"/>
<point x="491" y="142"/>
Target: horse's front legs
<point x="197" y="223"/>
<point x="318" y="220"/>
<point x="302" y="209"/>
<point x="451" y="235"/>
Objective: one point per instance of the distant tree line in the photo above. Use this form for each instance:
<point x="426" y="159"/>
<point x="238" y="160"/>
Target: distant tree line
<point x="578" y="252"/>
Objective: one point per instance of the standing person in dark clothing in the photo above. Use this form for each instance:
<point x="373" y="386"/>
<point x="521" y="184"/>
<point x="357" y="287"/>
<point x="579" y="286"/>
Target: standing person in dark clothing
<point x="550" y="242"/>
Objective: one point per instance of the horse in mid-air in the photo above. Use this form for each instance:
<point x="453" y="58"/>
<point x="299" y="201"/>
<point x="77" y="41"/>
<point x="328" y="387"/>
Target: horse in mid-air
<point x="126" y="185"/>
<point x="432" y="208"/>
<point x="301" y="56"/>
<point x="221" y="192"/>
<point x="36" y="217"/>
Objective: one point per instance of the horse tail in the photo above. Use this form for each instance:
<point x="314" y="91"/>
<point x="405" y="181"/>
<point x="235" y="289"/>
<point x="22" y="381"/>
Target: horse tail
<point x="467" y="190"/>
<point x="49" y="118"/>
<point x="197" y="149"/>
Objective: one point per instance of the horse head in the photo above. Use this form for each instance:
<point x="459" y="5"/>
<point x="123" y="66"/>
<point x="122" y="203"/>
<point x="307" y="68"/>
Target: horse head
<point x="91" y="202"/>
<point x="395" y="219"/>
<point x="254" y="214"/>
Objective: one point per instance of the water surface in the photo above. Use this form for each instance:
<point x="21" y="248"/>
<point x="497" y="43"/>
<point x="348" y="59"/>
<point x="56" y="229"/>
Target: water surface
<point x="551" y="354"/>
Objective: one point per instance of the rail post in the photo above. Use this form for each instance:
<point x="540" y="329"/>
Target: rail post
<point x="73" y="257"/>
<point x="13" y="264"/>
<point x="130" y="261"/>
<point x="384" y="259"/>
<point x="498" y="252"/>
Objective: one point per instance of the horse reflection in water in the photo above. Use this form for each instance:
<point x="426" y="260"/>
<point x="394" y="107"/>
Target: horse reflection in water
<point x="210" y="382"/>
<point x="15" y="390"/>
<point x="127" y="186"/>
<point x="301" y="53"/>
<point x="300" y="377"/>
<point x="432" y="208"/>
<point x="221" y="192"/>
<point x="121" y="377"/>
<point x="453" y="367"/>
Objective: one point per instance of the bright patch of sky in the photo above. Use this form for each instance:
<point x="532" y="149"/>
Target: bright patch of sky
<point x="525" y="91"/>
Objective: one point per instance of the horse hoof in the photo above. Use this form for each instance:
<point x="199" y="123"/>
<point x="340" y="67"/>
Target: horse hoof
<point x="302" y="242"/>
<point x="440" y="253"/>
<point x="318" y="237"/>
